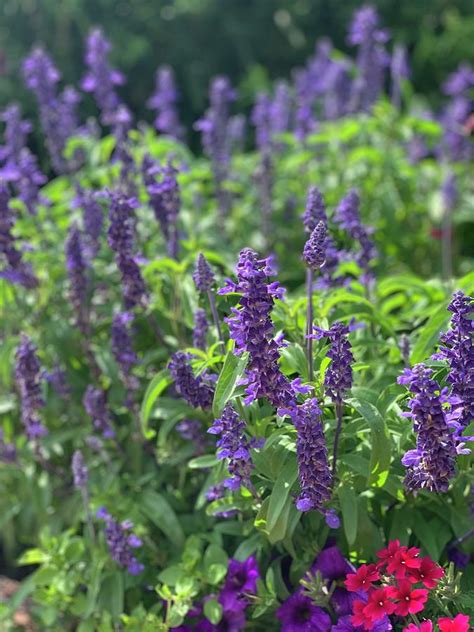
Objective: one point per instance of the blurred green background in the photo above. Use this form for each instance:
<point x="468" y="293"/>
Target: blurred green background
<point x="253" y="41"/>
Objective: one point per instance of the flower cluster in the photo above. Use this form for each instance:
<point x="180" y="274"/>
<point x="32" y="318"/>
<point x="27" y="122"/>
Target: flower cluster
<point x="203" y="276"/>
<point x="433" y="463"/>
<point x="121" y="542"/>
<point x="194" y="389"/>
<point x="392" y="586"/>
<point x="28" y="378"/>
<point x="16" y="270"/>
<point x="163" y="101"/>
<point x="252" y="330"/>
<point x="122" y="348"/>
<point x="338" y="377"/>
<point x="314" y="252"/>
<point x="165" y="200"/>
<point x="92" y="218"/>
<point x="456" y="143"/>
<point x="315" y="210"/>
<point x="78" y="283"/>
<point x="233" y="446"/>
<point x="95" y="403"/>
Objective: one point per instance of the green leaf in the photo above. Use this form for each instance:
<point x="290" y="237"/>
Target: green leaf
<point x="213" y="611"/>
<point x="348" y="500"/>
<point x="233" y="369"/>
<point x="111" y="594"/>
<point x="429" y="335"/>
<point x="156" y="387"/>
<point x="159" y="511"/>
<point x="32" y="556"/>
<point x="281" y="490"/>
<point x="203" y="462"/>
<point x="381" y="448"/>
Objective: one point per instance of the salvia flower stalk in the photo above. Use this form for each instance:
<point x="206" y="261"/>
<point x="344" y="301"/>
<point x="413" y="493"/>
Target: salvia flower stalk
<point x="28" y="379"/>
<point x="124" y="354"/>
<point x="163" y="102"/>
<point x="78" y="281"/>
<point x="399" y="72"/>
<point x="194" y="389"/>
<point x="165" y="200"/>
<point x="95" y="404"/>
<point x="204" y="280"/>
<point x="201" y="327"/>
<point x="80" y="475"/>
<point x="92" y="218"/>
<point x="121" y="542"/>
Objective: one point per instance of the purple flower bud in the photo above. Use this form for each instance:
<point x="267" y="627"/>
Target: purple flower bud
<point x="79" y="470"/>
<point x="163" y="101"/>
<point x="121" y="542"/>
<point x="28" y="379"/>
<point x="95" y="403"/>
<point x="203" y="276"/>
<point x="195" y="390"/>
<point x="314" y="253"/>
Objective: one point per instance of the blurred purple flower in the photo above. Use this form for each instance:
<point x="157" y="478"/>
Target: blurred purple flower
<point x="121" y="542"/>
<point x="194" y="390"/>
<point x="299" y="614"/>
<point x="95" y="403"/>
<point x="163" y="101"/>
<point x="28" y="379"/>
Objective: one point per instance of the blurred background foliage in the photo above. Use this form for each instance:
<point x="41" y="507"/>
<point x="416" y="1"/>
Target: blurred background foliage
<point x="252" y="41"/>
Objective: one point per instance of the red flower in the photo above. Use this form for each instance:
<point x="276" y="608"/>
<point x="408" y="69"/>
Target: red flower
<point x="425" y="626"/>
<point x="409" y="601"/>
<point x="388" y="554"/>
<point x="405" y="560"/>
<point x="362" y="579"/>
<point x="359" y="618"/>
<point x="458" y="624"/>
<point x="429" y="573"/>
<point x="378" y="605"/>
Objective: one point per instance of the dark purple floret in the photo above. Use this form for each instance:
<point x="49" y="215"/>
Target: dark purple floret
<point x="28" y="376"/>
<point x="432" y="464"/>
<point x="122" y="348"/>
<point x="252" y="330"/>
<point x="338" y="377"/>
<point x="314" y="253"/>
<point x="165" y="199"/>
<point x="192" y="430"/>
<point x="16" y="270"/>
<point x="122" y="218"/>
<point x="95" y="403"/>
<point x="233" y="446"/>
<point x="163" y="101"/>
<point x="92" y="217"/>
<point x="241" y="578"/>
<point x="299" y="614"/>
<point x="315" y="210"/>
<point x="201" y="327"/>
<point x="314" y="474"/>
<point x="77" y="274"/>
<point x="7" y="450"/>
<point x="79" y="470"/>
<point x="203" y="276"/>
<point x="121" y="542"/>
<point x="457" y="348"/>
<point x="133" y="286"/>
<point x="194" y="389"/>
<point x="332" y="565"/>
<point x="101" y="78"/>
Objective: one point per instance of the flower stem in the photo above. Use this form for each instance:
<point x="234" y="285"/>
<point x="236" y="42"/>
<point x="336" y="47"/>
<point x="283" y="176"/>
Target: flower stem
<point x="339" y="411"/>
<point x="215" y="318"/>
<point x="309" y="322"/>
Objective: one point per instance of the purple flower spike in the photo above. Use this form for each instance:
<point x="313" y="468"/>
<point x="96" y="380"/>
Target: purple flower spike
<point x="122" y="348"/>
<point x="121" y="541"/>
<point x="92" y="217"/>
<point x="314" y="474"/>
<point x="338" y="377"/>
<point x="78" y="282"/>
<point x="28" y="376"/>
<point x="433" y="464"/>
<point x="315" y="211"/>
<point x="241" y="578"/>
<point x="233" y="446"/>
<point x="163" y="101"/>
<point x="299" y="614"/>
<point x="314" y="253"/>
<point x="95" y="403"/>
<point x="201" y="327"/>
<point x="252" y="330"/>
<point x="203" y="276"/>
<point x="79" y="470"/>
<point x="193" y="389"/>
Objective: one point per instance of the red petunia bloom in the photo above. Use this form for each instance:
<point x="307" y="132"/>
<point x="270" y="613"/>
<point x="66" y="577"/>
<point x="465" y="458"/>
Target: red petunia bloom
<point x="428" y="573"/>
<point x="388" y="554"/>
<point x="408" y="601"/>
<point x="359" y="618"/>
<point x="362" y="579"/>
<point x="425" y="626"/>
<point x="405" y="560"/>
<point x="460" y="623"/>
<point x="379" y="605"/>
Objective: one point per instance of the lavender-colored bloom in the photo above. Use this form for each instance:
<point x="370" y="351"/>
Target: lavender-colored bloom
<point x="338" y="89"/>
<point x="299" y="614"/>
<point x="192" y="430"/>
<point x="133" y="286"/>
<point x="92" y="218"/>
<point x="338" y="377"/>
<point x="101" y="78"/>
<point x="95" y="403"/>
<point x="241" y="578"/>
<point x="399" y="71"/>
<point x="372" y="58"/>
<point x="314" y="474"/>
<point x="57" y="378"/>
<point x="457" y="348"/>
<point x="194" y="389"/>
<point x="78" y="282"/>
<point x="234" y="446"/>
<point x="344" y="624"/>
<point x="460" y="81"/>
<point x="455" y="141"/>
<point x="236" y="131"/>
<point x="433" y="464"/>
<point x="252" y="330"/>
<point x="163" y="101"/>
<point x="122" y="349"/>
<point x="16" y="132"/>
<point x="280" y="108"/>
<point x="315" y="210"/>
<point x="165" y="200"/>
<point x="121" y="542"/>
<point x="28" y="379"/>
<point x="203" y="275"/>
<point x="26" y="179"/>
<point x="201" y="327"/>
<point x="16" y="270"/>
<point x="7" y="450"/>
<point x="79" y="470"/>
<point x="314" y="253"/>
<point x="260" y="119"/>
<point x="305" y="122"/>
